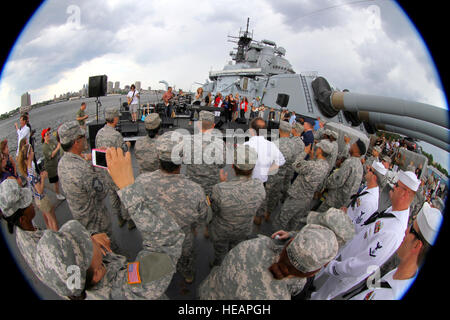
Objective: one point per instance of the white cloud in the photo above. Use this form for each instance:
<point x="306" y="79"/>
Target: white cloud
<point x="180" y="41"/>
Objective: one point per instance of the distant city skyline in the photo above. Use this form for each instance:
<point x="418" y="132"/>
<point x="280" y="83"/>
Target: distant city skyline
<point x="25" y="99"/>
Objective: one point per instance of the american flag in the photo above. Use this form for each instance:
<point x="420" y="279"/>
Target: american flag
<point x="133" y="273"/>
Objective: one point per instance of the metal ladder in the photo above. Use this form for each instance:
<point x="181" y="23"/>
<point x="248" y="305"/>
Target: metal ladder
<point x="307" y="95"/>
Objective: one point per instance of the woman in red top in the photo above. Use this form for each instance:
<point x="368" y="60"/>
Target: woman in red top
<point x="218" y="100"/>
<point x="243" y="106"/>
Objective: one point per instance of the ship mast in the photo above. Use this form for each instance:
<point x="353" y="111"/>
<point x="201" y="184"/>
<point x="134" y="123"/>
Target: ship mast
<point x="244" y="41"/>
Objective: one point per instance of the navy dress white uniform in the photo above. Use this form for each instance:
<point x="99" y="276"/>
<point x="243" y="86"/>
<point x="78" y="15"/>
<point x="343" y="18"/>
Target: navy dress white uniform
<point x="369" y="249"/>
<point x="389" y="287"/>
<point x="365" y="203"/>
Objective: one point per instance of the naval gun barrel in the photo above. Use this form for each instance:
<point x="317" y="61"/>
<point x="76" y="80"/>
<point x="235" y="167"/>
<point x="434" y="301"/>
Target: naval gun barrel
<point x="362" y="102"/>
<point x="414" y="134"/>
<point x="428" y="129"/>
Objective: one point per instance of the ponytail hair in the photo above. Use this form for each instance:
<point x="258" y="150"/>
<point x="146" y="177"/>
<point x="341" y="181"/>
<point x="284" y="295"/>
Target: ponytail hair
<point x="22" y="158"/>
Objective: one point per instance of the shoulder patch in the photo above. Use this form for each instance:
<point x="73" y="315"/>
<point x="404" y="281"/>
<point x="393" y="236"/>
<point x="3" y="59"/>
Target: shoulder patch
<point x="155" y="266"/>
<point x="133" y="273"/>
<point x="358" y="202"/>
<point x="378" y="226"/>
<point x="368" y="296"/>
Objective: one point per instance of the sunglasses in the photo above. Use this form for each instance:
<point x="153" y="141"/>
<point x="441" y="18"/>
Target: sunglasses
<point x="397" y="185"/>
<point x="415" y="233"/>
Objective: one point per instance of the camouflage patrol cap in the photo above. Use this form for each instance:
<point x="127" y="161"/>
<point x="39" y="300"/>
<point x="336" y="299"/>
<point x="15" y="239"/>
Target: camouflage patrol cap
<point x="312" y="248"/>
<point x="69" y="131"/>
<point x="245" y="157"/>
<point x="325" y="145"/>
<point x="13" y="197"/>
<point x="111" y="113"/>
<point x="152" y="121"/>
<point x="206" y="116"/>
<point x="285" y="126"/>
<point x="331" y="133"/>
<point x="387" y="159"/>
<point x="337" y="221"/>
<point x="377" y="149"/>
<point x="169" y="147"/>
<point x="59" y="255"/>
<point x="298" y="127"/>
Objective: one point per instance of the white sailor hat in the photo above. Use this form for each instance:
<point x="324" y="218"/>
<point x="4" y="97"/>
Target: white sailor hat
<point x="409" y="179"/>
<point x="429" y="220"/>
<point x="378" y="166"/>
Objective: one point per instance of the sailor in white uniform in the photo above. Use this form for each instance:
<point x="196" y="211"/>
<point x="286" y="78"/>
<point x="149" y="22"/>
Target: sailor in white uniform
<point x="380" y="237"/>
<point x="365" y="203"/>
<point x="419" y="238"/>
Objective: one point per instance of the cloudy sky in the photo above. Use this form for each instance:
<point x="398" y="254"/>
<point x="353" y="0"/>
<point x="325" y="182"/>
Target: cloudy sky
<point x="365" y="46"/>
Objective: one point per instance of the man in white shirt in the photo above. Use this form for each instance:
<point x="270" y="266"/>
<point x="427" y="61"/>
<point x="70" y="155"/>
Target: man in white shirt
<point x="381" y="236"/>
<point x="419" y="238"/>
<point x="133" y="102"/>
<point x="269" y="158"/>
<point x="292" y="119"/>
<point x="365" y="203"/>
<point x="23" y="132"/>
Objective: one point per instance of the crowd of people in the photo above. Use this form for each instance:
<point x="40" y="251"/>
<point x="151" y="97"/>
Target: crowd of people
<point x="235" y="107"/>
<point x="330" y="232"/>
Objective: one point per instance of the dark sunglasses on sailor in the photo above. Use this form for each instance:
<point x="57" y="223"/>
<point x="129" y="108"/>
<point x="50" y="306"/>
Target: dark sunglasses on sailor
<point x="414" y="232"/>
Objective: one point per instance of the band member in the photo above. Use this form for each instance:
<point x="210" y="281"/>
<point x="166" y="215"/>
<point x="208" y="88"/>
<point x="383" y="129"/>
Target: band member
<point x="167" y="98"/>
<point x="133" y="102"/>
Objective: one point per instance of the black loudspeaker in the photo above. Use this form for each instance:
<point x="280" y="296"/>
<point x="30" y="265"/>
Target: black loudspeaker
<point x="93" y="129"/>
<point x="282" y="100"/>
<point x="97" y="86"/>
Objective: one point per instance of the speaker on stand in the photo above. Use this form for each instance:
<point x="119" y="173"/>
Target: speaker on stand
<point x="97" y="88"/>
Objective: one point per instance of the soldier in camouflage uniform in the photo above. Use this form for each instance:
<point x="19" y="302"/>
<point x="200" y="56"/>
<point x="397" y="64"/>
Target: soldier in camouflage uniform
<point x="208" y="155"/>
<point x="298" y="147"/>
<point x="334" y="219"/>
<point x="345" y="152"/>
<point x="81" y="183"/>
<point x="145" y="147"/>
<point x="110" y="277"/>
<point x="16" y="204"/>
<point x="267" y="269"/>
<point x="108" y="137"/>
<point x="345" y="182"/>
<point x="234" y="204"/>
<point x="18" y="211"/>
<point x="184" y="199"/>
<point x="376" y="151"/>
<point x="332" y="136"/>
<point x="311" y="174"/>
<point x="275" y="182"/>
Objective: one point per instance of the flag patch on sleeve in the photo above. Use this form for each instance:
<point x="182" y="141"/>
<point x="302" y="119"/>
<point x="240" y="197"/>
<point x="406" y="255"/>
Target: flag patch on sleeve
<point x="133" y="273"/>
<point x="378" y="226"/>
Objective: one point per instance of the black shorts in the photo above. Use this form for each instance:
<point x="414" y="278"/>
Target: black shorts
<point x="54" y="179"/>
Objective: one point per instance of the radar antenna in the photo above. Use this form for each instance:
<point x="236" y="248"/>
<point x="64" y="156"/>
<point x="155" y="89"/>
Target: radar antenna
<point x="245" y="38"/>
